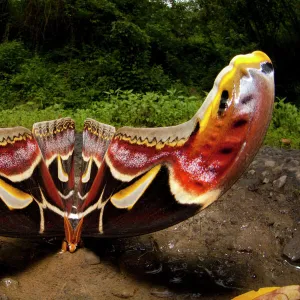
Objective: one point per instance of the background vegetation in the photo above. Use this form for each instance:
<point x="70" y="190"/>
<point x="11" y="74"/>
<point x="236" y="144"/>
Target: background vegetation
<point x="139" y="62"/>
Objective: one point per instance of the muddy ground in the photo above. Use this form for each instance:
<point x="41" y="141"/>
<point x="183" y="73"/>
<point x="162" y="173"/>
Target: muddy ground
<point x="248" y="239"/>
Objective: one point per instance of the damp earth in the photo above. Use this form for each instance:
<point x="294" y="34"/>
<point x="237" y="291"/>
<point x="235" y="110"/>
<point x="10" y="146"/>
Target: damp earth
<point x="249" y="238"/>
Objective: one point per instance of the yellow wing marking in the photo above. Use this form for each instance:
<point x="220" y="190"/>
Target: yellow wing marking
<point x="62" y="175"/>
<point x="87" y="174"/>
<point x="127" y="197"/>
<point x="13" y="197"/>
<point x="153" y="143"/>
<point x="14" y="139"/>
<point x="239" y="65"/>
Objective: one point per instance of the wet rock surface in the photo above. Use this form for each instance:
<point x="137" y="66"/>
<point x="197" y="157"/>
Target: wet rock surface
<point x="246" y="240"/>
<point x="292" y="248"/>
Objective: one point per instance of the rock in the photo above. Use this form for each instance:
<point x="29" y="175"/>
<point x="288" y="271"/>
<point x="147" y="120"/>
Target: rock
<point x="254" y="163"/>
<point x="161" y="293"/>
<point x="251" y="172"/>
<point x="292" y="166"/>
<point x="280" y="182"/>
<point x="125" y="293"/>
<point x="266" y="180"/>
<point x="293" y="163"/>
<point x="10" y="283"/>
<point x="264" y="176"/>
<point x="270" y="163"/>
<point x="292" y="248"/>
<point x="254" y="186"/>
<point x="277" y="171"/>
<point x="91" y="258"/>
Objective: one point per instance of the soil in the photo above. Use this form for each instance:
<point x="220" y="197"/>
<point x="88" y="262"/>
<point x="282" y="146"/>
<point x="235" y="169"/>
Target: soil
<point x="249" y="238"/>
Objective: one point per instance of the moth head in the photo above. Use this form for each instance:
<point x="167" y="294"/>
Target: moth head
<point x="72" y="247"/>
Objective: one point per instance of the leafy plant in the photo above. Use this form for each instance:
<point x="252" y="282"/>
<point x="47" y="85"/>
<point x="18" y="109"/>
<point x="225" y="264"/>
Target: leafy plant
<point x="12" y="55"/>
<point x="285" y="124"/>
<point x="119" y="108"/>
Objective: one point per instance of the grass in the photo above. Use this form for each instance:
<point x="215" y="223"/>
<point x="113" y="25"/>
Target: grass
<point x="150" y="110"/>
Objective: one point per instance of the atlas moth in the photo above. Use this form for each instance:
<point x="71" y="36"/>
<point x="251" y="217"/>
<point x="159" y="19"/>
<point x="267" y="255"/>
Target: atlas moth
<point x="134" y="180"/>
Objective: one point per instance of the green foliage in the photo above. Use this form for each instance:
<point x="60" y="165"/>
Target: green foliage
<point x="145" y="110"/>
<point x="12" y="54"/>
<point x="27" y="114"/>
<point x="285" y="124"/>
<point x="119" y="108"/>
<point x="36" y="82"/>
<point x="130" y="36"/>
<point x="76" y="83"/>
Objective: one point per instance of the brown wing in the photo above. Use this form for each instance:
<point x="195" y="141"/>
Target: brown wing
<point x="96" y="139"/>
<point x="154" y="178"/>
<point x="29" y="201"/>
<point x="56" y="140"/>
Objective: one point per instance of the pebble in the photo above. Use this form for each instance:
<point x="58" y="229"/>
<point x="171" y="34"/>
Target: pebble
<point x="293" y="164"/>
<point x="10" y="283"/>
<point x="91" y="258"/>
<point x="125" y="293"/>
<point x="270" y="163"/>
<point x="161" y="293"/>
<point x="280" y="182"/>
<point x="292" y="248"/>
<point x="266" y="180"/>
<point x="277" y="171"/>
<point x="254" y="163"/>
<point x="251" y="172"/>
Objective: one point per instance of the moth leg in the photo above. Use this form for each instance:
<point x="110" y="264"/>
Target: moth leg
<point x="64" y="246"/>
